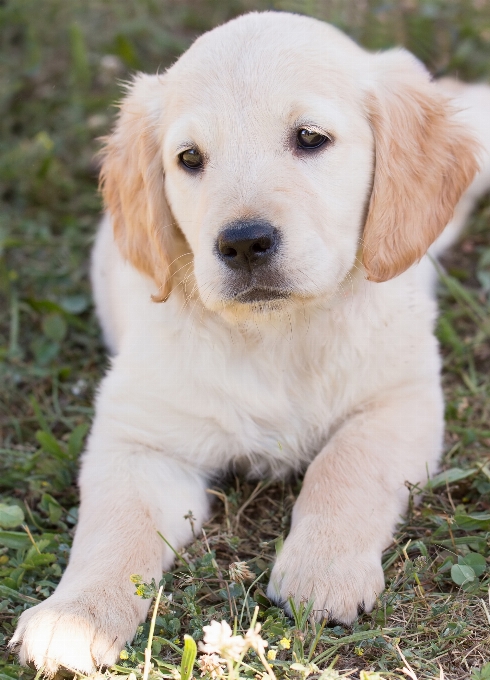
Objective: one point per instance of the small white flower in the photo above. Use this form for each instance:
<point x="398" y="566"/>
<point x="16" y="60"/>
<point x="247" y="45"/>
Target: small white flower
<point x="239" y="572"/>
<point x="79" y="387"/>
<point x="253" y="639"/>
<point x="112" y="64"/>
<point x="219" y="639"/>
<point x="211" y="664"/>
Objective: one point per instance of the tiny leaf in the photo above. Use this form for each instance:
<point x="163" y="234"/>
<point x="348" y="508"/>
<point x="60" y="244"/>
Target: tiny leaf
<point x="450" y="476"/>
<point x="54" y="327"/>
<point x="14" y="539"/>
<point x="461" y="574"/>
<point x="475" y="561"/>
<point x="75" y="442"/>
<point x="50" y="444"/>
<point x="11" y="516"/>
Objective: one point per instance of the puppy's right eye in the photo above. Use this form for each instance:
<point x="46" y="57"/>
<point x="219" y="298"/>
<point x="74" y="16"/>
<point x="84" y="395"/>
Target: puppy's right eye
<point x="191" y="158"/>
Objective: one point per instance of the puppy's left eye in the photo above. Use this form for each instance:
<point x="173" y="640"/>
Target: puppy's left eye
<point x="310" y="139"/>
<point x="191" y="158"/>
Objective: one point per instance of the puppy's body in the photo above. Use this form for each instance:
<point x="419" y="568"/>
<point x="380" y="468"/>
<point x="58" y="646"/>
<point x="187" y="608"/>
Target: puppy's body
<point x="268" y="367"/>
<point x="266" y="393"/>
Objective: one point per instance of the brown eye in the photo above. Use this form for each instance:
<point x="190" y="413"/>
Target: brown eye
<point x="191" y="158"/>
<point x="310" y="139"/>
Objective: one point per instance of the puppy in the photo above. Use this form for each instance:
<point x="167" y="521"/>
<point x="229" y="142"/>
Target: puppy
<point x="268" y="200"/>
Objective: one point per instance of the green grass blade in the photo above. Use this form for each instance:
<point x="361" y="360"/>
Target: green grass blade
<point x="188" y="658"/>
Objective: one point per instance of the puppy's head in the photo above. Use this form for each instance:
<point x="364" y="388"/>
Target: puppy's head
<point x="273" y="158"/>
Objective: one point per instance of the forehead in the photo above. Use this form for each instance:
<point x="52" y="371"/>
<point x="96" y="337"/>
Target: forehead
<point x="269" y="63"/>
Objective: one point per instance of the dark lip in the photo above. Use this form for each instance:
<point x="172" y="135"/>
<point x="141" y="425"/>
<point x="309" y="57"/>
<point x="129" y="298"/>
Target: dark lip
<point x="261" y="295"/>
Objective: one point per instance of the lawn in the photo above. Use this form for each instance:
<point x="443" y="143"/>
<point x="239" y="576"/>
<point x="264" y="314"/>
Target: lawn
<point x="61" y="66"/>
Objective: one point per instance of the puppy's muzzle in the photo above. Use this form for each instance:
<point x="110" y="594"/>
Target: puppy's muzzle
<point x="246" y="245"/>
<point x="250" y="251"/>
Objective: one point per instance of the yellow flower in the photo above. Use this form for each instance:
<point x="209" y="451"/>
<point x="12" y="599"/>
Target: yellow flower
<point x="135" y="578"/>
<point x="123" y="654"/>
<point x="271" y="654"/>
<point x="285" y="643"/>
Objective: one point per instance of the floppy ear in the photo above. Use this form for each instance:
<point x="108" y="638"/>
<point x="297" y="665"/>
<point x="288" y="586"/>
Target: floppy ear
<point x="132" y="183"/>
<point x="424" y="160"/>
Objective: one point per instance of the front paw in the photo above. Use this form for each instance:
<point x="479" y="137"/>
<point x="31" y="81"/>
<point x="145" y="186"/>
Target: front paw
<point x="80" y="632"/>
<point x="339" y="576"/>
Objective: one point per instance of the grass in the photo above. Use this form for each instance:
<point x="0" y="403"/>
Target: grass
<point x="59" y="69"/>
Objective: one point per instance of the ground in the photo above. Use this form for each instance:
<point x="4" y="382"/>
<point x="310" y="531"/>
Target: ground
<point x="60" y="69"/>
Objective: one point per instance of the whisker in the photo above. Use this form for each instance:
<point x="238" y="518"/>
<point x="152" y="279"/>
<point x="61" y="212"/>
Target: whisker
<point x="187" y="264"/>
<point x="178" y="258"/>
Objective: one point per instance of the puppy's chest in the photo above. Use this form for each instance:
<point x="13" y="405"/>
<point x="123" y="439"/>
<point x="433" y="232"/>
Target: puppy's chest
<point x="269" y="410"/>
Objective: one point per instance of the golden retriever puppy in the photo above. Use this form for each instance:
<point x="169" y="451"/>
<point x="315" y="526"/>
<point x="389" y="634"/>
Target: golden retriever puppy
<point x="268" y="200"/>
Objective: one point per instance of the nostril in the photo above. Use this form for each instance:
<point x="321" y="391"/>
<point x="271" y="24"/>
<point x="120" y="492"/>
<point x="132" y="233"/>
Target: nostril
<point x="262" y="245"/>
<point x="228" y="252"/>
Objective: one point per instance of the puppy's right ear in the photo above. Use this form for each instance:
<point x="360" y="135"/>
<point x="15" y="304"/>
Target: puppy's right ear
<point x="132" y="183"/>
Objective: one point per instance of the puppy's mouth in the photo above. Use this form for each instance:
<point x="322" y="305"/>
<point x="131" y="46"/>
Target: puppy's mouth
<point x="261" y="294"/>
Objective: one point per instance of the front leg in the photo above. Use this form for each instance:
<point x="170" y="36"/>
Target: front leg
<point x="128" y="493"/>
<point x="352" y="497"/>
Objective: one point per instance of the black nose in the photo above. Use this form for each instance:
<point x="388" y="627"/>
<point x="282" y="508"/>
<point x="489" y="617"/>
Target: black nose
<point x="247" y="244"/>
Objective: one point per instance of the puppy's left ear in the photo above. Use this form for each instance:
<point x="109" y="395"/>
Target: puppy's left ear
<point x="132" y="183"/>
<point x="424" y="161"/>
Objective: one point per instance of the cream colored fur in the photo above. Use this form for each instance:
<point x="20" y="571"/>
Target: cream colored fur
<point x="342" y="376"/>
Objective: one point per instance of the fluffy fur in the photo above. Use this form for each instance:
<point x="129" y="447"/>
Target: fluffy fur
<point x="340" y="372"/>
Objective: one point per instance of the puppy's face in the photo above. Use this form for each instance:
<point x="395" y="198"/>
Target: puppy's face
<point x="268" y="167"/>
<point x="282" y="152"/>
